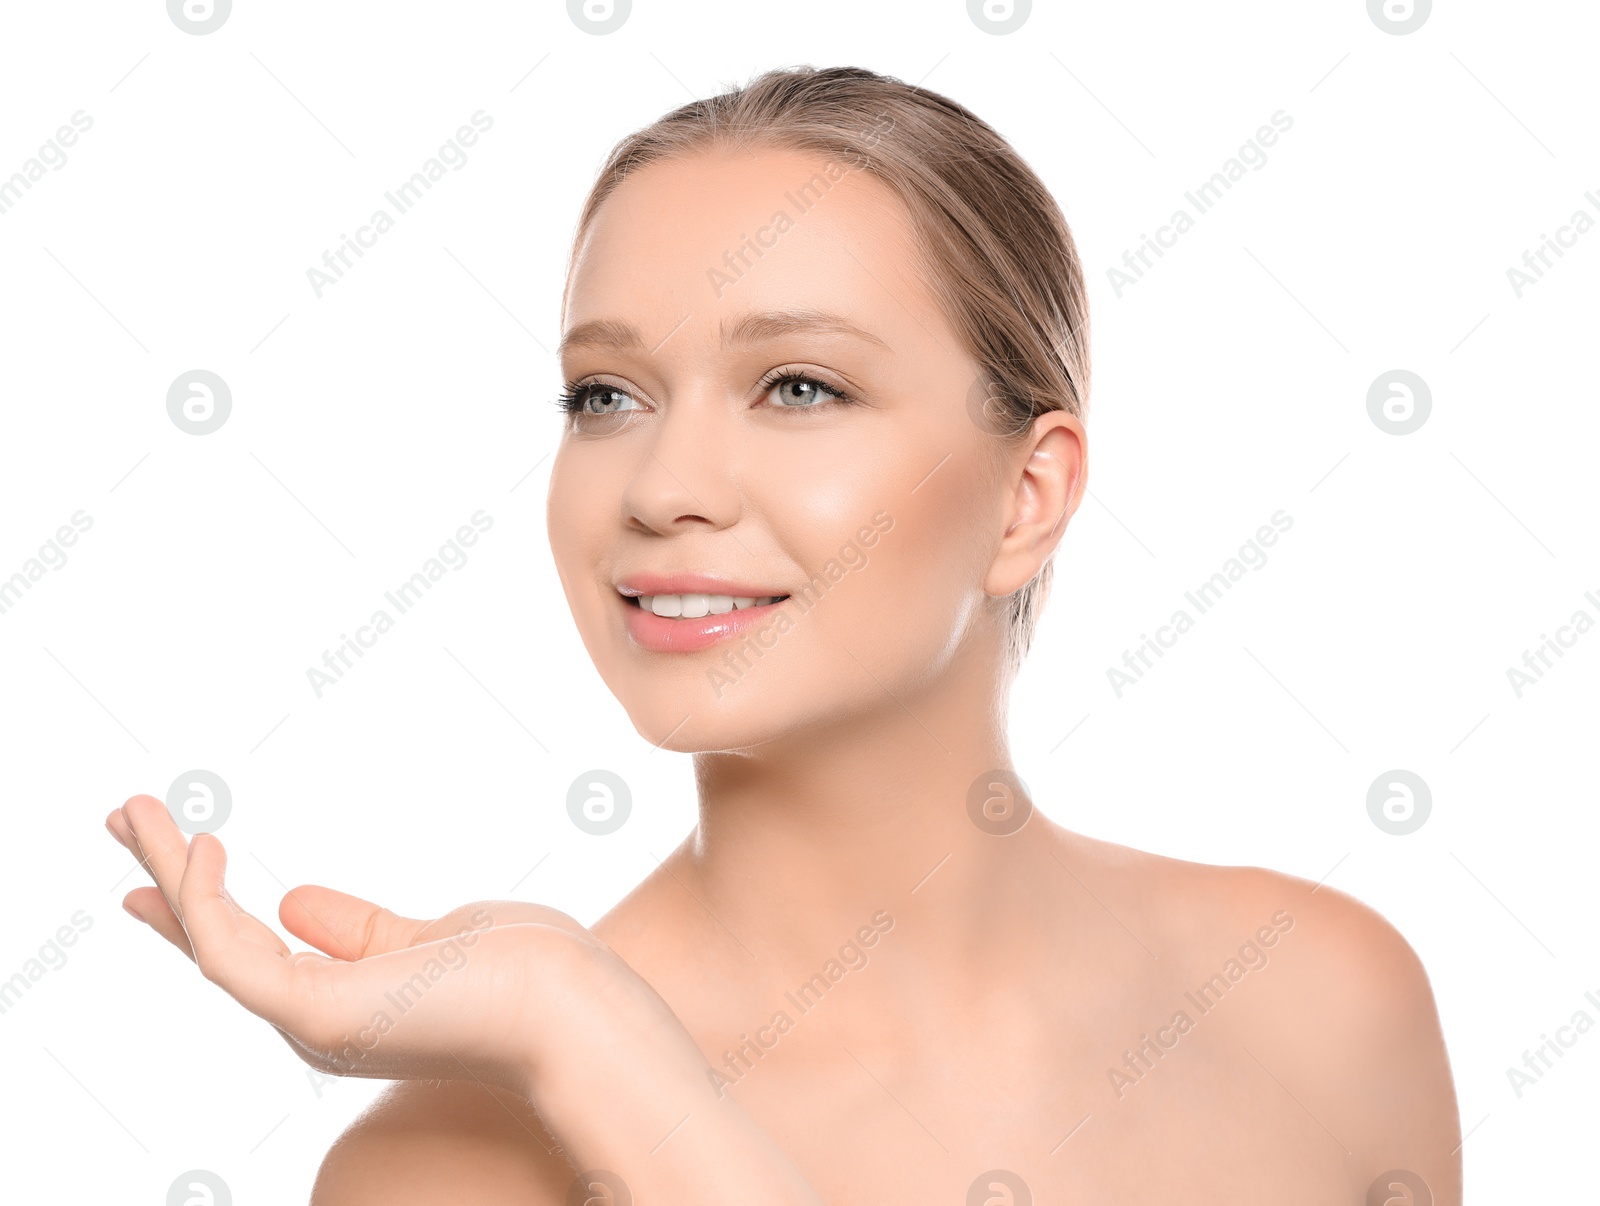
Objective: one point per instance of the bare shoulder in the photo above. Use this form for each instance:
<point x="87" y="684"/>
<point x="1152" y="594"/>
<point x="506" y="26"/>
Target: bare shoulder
<point x="427" y="1143"/>
<point x="1200" y="909"/>
<point x="1321" y="991"/>
<point x="1347" y="1012"/>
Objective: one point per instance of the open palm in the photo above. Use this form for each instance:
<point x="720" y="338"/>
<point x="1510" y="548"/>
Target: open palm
<point x="388" y="996"/>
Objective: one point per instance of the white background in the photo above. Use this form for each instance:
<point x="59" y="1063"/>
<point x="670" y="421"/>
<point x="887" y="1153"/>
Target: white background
<point x="367" y="425"/>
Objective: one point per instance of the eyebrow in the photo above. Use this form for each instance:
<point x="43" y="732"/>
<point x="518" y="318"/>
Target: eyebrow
<point x="610" y="334"/>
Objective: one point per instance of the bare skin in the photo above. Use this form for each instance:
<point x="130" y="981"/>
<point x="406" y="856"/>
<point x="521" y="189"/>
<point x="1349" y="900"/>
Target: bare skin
<point x="1314" y="1073"/>
<point x="992" y="1021"/>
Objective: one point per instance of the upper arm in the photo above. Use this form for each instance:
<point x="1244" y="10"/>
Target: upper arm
<point x="1350" y="1018"/>
<point x="433" y="1144"/>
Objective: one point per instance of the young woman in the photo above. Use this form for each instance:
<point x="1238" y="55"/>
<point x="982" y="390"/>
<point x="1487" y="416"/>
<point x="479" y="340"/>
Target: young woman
<point x="825" y="345"/>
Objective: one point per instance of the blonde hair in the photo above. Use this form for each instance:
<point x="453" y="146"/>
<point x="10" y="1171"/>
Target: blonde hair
<point x="996" y="248"/>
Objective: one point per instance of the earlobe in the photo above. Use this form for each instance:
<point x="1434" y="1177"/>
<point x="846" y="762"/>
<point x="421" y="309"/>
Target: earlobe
<point x="1048" y="485"/>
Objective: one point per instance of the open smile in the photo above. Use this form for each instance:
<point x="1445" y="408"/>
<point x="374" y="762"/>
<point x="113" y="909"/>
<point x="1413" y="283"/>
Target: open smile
<point x="663" y="620"/>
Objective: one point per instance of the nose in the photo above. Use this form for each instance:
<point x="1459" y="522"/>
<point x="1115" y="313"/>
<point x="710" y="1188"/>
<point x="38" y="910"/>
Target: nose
<point x="686" y="476"/>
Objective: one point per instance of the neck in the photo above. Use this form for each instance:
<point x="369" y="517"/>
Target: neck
<point x="803" y="840"/>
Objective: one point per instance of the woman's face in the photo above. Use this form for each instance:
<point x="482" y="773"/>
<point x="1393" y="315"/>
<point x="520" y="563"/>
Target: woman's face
<point x="770" y="402"/>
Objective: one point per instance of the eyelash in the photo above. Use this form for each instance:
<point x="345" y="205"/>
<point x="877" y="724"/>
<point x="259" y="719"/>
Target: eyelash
<point x="573" y="398"/>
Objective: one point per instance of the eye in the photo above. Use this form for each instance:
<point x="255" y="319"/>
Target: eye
<point x="797" y="391"/>
<point x="596" y="399"/>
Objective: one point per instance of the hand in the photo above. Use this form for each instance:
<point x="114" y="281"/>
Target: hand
<point x="467" y="995"/>
<point x="506" y="993"/>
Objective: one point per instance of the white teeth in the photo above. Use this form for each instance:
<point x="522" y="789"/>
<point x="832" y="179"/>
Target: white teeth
<point x="694" y="606"/>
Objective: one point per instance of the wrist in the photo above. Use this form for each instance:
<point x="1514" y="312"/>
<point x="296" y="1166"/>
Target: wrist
<point x="622" y="1085"/>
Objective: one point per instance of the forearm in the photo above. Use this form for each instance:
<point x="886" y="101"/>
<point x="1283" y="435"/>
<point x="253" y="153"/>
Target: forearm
<point x="630" y="1092"/>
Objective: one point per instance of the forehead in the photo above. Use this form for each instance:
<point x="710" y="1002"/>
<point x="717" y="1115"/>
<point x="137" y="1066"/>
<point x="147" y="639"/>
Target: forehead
<point x="701" y="239"/>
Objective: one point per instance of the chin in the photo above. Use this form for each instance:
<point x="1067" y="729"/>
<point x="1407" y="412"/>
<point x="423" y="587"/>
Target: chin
<point x="672" y="725"/>
<point x="687" y="718"/>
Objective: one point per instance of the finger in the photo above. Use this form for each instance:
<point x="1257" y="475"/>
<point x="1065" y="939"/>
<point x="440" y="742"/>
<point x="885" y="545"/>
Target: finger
<point x="234" y="949"/>
<point x="159" y="844"/>
<point x="345" y="926"/>
<point x="150" y="907"/>
<point x="117" y="826"/>
<point x="506" y="912"/>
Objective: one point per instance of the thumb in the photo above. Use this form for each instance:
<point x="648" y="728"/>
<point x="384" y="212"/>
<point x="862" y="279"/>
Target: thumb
<point x="345" y="926"/>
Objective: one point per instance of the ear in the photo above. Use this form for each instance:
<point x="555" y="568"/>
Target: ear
<point x="1047" y="473"/>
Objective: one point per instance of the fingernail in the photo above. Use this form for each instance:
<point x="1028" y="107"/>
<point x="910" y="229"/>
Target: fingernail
<point x="128" y="909"/>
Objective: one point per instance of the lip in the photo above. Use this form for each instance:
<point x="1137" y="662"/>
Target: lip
<point x="661" y="634"/>
<point x="692" y="584"/>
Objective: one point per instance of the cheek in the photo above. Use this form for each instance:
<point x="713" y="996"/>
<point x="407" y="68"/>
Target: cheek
<point x="818" y="491"/>
<point x="904" y="595"/>
<point x="578" y="521"/>
<point x="933" y="564"/>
